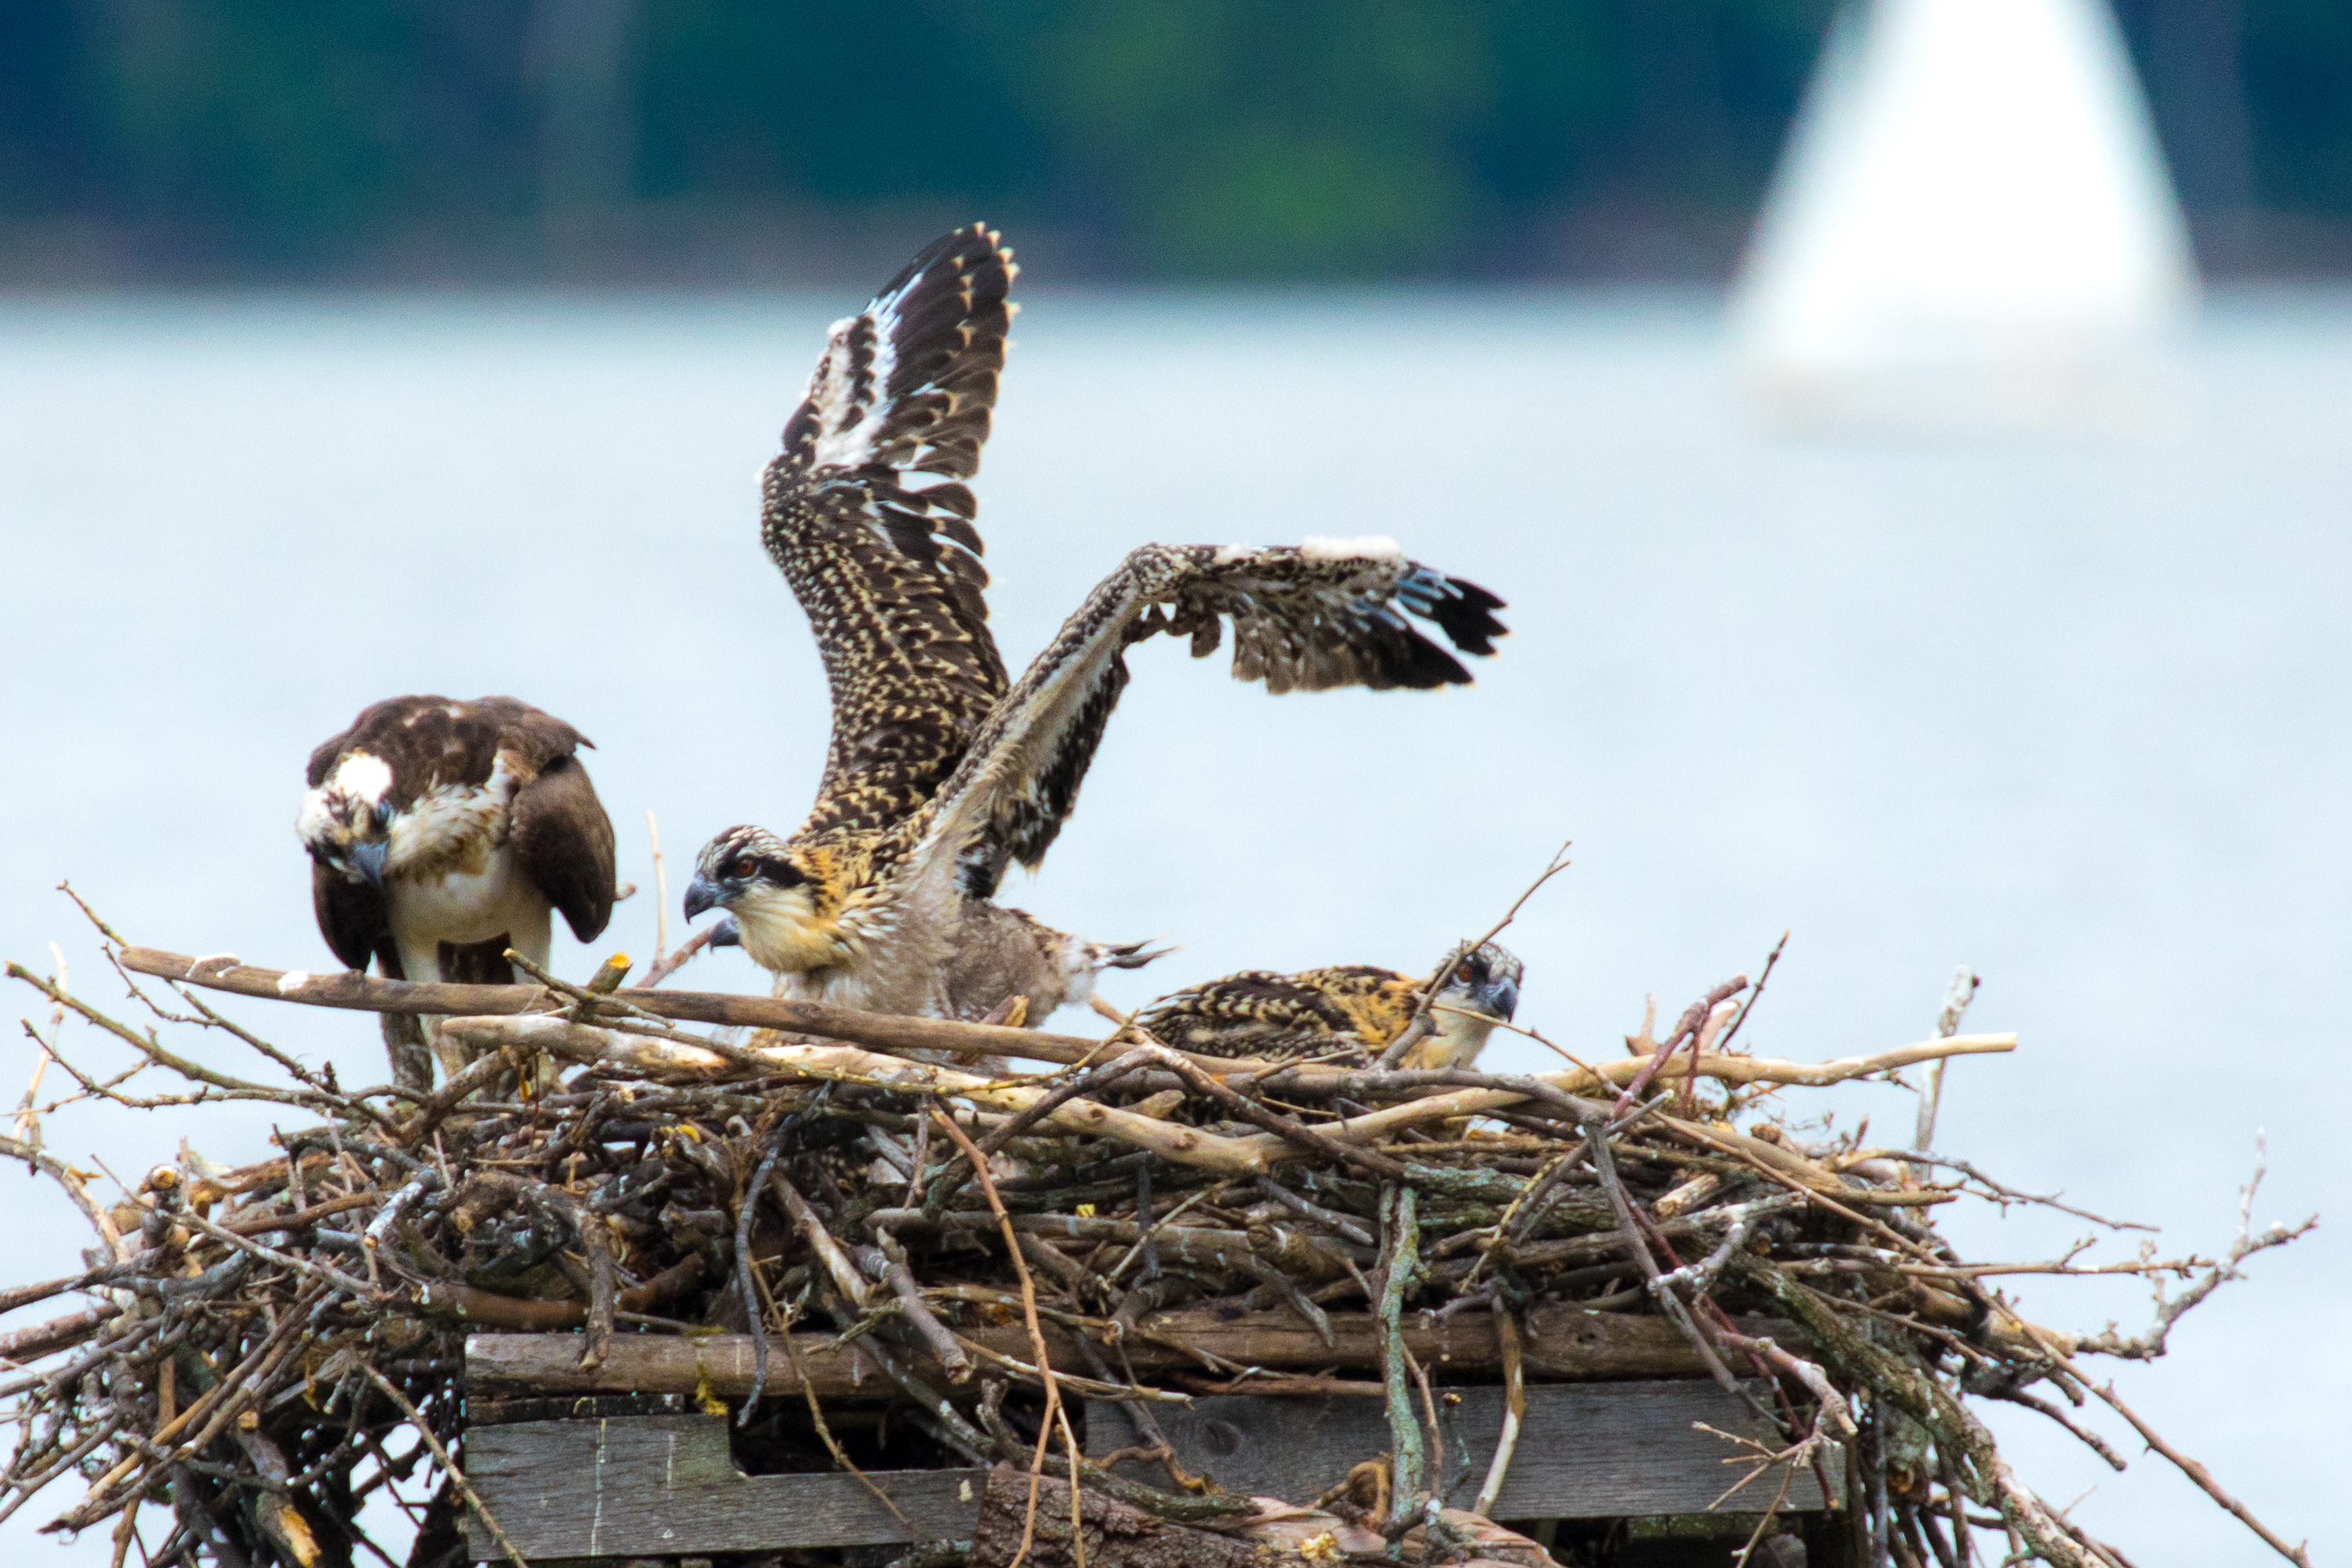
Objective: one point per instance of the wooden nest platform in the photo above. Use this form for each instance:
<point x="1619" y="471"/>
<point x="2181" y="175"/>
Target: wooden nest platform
<point x="825" y="1288"/>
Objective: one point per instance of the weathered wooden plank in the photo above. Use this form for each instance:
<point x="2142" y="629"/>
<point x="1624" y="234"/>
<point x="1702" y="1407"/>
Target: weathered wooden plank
<point x="665" y="1485"/>
<point x="547" y="1365"/>
<point x="1585" y="1451"/>
<point x="1559" y="1341"/>
<point x="482" y="1412"/>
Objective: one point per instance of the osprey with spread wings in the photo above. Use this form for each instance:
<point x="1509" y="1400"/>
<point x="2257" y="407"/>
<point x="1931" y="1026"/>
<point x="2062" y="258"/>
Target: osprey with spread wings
<point x="940" y="772"/>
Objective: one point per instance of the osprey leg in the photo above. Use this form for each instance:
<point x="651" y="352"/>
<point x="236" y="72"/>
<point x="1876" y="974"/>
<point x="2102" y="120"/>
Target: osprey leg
<point x="412" y="1058"/>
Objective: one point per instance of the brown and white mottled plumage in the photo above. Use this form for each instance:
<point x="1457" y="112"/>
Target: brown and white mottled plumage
<point x="889" y="573"/>
<point x="1351" y="1006"/>
<point x="442" y="832"/>
<point x="938" y="776"/>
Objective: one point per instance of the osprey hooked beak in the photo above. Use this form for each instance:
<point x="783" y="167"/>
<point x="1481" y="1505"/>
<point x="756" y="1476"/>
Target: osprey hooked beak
<point x="702" y="895"/>
<point x="368" y="858"/>
<point x="1499" y="997"/>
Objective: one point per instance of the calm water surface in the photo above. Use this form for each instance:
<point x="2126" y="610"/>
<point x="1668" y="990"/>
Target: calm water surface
<point x="2078" y="717"/>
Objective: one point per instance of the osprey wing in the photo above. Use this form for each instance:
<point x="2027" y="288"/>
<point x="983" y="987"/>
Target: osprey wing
<point x="889" y="573"/>
<point x="1330" y="613"/>
<point x="564" y="840"/>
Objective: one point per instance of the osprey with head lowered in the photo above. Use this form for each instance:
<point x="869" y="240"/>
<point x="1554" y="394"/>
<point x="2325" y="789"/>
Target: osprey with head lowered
<point x="443" y="832"/>
<point x="940" y="773"/>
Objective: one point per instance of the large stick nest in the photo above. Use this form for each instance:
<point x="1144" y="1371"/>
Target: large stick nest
<point x="260" y="1349"/>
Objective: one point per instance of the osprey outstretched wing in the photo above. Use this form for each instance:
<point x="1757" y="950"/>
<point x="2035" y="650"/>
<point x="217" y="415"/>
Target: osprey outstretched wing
<point x="938" y="776"/>
<point x="889" y="571"/>
<point x="1330" y="613"/>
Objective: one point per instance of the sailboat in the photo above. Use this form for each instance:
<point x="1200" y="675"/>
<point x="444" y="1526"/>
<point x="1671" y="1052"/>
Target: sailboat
<point x="1973" y="230"/>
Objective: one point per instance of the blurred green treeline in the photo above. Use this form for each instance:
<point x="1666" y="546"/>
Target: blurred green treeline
<point x="289" y="140"/>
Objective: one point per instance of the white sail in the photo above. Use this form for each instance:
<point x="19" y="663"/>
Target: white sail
<point x="1972" y="229"/>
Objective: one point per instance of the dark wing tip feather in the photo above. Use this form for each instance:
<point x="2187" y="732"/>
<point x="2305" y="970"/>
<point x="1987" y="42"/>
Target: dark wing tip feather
<point x="1419" y="665"/>
<point x="1397" y="654"/>
<point x="908" y="382"/>
<point x="1314" y="619"/>
<point x="946" y="314"/>
<point x="1463" y="611"/>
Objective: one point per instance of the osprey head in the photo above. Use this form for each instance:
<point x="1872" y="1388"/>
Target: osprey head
<point x="769" y="891"/>
<point x="1484" y="980"/>
<point x="346" y="819"/>
<point x="1479" y="989"/>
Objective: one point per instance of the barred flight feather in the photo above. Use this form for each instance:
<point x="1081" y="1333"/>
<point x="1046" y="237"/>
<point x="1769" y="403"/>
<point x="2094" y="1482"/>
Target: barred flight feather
<point x="889" y="573"/>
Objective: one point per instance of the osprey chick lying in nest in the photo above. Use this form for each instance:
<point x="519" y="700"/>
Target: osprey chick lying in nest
<point x="1349" y="1008"/>
<point x="941" y="771"/>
